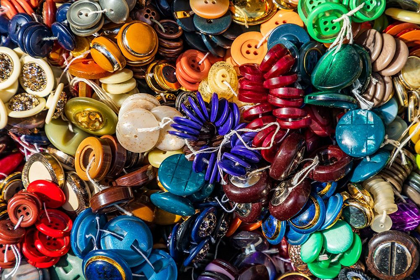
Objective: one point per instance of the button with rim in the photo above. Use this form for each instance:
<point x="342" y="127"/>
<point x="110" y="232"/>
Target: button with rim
<point x="54" y="223"/>
<point x="82" y="14"/>
<point x="244" y="48"/>
<point x="281" y="17"/>
<point x="48" y="192"/>
<point x="116" y="11"/>
<point x="212" y="26"/>
<point x="210" y="9"/>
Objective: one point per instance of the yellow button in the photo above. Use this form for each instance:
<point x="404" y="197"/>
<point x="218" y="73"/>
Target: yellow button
<point x="82" y="45"/>
<point x="410" y="74"/>
<point x="223" y="79"/>
<point x="205" y="90"/>
<point x="246" y="48"/>
<point x="281" y="17"/>
<point x="252" y="12"/>
<point x="403" y="15"/>
<point x="164" y="218"/>
<point x="210" y="9"/>
<point x="156" y="156"/>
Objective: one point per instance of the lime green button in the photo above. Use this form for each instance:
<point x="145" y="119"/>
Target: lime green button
<point x="338" y="238"/>
<point x="372" y="9"/>
<point x="324" y="269"/>
<point x="320" y="22"/>
<point x="352" y="255"/>
<point x="310" y="250"/>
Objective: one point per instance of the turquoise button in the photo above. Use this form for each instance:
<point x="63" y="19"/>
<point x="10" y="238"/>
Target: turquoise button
<point x="371" y="166"/>
<point x="360" y="133"/>
<point x="172" y="203"/>
<point x="387" y="112"/>
<point x="338" y="238"/>
<point x="164" y="267"/>
<point x="395" y="129"/>
<point x="178" y="177"/>
<point x="333" y="210"/>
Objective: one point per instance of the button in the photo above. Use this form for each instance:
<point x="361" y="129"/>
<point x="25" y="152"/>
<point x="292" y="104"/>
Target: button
<point x="253" y="12"/>
<point x="210" y="9"/>
<point x="204" y="225"/>
<point x="61" y="14"/>
<point x="281" y="17"/>
<point x="360" y="133"/>
<point x="43" y="166"/>
<point x="219" y="73"/>
<point x="387" y="53"/>
<point x="87" y="69"/>
<point x="352" y="255"/>
<point x="273" y="230"/>
<point x="167" y="142"/>
<point x="64" y="36"/>
<point x="214" y="26"/>
<point x="170" y="271"/>
<point x="173" y="204"/>
<point x="116" y="11"/>
<point x="245" y="48"/>
<point x="371" y="40"/>
<point x="107" y="54"/>
<point x="104" y="264"/>
<point x="54" y="223"/>
<point x="311" y="217"/>
<point x="403" y="15"/>
<point x="15" y="24"/>
<point x="83" y="14"/>
<point x="368" y="12"/>
<point x="48" y="192"/>
<point x="399" y="60"/>
<point x="105" y="200"/>
<point x="11" y="62"/>
<point x="69" y="267"/>
<point x="10" y="235"/>
<point x="248" y="190"/>
<point x="291" y="32"/>
<point x="77" y="194"/>
<point x="366" y="169"/>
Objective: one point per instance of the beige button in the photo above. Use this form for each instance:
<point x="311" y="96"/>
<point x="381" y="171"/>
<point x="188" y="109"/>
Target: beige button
<point x="379" y="89"/>
<point x="389" y="90"/>
<point x="136" y="103"/>
<point x="118" y="77"/>
<point x="387" y="53"/>
<point x="11" y="67"/>
<point x="121" y="87"/>
<point x="379" y="224"/>
<point x="156" y="156"/>
<point x="399" y="60"/>
<point x="167" y="142"/>
<point x="371" y="40"/>
<point x="7" y="93"/>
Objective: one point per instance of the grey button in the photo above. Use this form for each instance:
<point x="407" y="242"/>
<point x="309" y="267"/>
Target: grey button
<point x="82" y="14"/>
<point x="116" y="10"/>
<point x="131" y="4"/>
<point x="87" y="32"/>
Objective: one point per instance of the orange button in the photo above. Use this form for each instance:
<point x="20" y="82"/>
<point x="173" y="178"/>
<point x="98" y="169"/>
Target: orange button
<point x="210" y="9"/>
<point x="245" y="48"/>
<point x="190" y="65"/>
<point x="281" y="17"/>
<point x="87" y="69"/>
<point x="107" y="54"/>
<point x="411" y="38"/>
<point x="396" y="29"/>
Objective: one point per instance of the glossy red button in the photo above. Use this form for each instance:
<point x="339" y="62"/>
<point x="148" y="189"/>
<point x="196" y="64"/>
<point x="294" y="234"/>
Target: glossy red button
<point x="251" y="72"/>
<point x="261" y="122"/>
<point x="269" y="154"/>
<point x="260" y="137"/>
<point x="281" y="81"/>
<point x="252" y="86"/>
<point x="23" y="206"/>
<point x="251" y="96"/>
<point x="274" y="54"/>
<point x="257" y="111"/>
<point x="281" y="102"/>
<point x="285" y="113"/>
<point x="287" y="92"/>
<point x="29" y="250"/>
<point x="51" y="246"/>
<point x="58" y="224"/>
<point x="48" y="192"/>
<point x="294" y="124"/>
<point x="281" y="67"/>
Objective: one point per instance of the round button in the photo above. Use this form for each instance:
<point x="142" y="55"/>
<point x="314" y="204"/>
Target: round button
<point x="220" y="74"/>
<point x="48" y="192"/>
<point x="54" y="223"/>
<point x="209" y="9"/>
<point x="51" y="246"/>
<point x="281" y="17"/>
<point x="23" y="206"/>
<point x="84" y="14"/>
<point x="245" y="48"/>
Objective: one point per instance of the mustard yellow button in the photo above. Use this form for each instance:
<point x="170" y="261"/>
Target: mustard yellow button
<point x="82" y="46"/>
<point x="223" y="80"/>
<point x="156" y="156"/>
<point x="164" y="218"/>
<point x="416" y="137"/>
<point x="210" y="9"/>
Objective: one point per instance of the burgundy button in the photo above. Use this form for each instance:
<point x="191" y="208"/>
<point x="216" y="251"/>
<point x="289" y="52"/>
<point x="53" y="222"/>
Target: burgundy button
<point x="282" y="66"/>
<point x="8" y="234"/>
<point x="251" y="189"/>
<point x="257" y="111"/>
<point x="252" y="86"/>
<point x="286" y="113"/>
<point x="273" y="55"/>
<point x="248" y="212"/>
<point x="287" y="92"/>
<point x="270" y="154"/>
<point x="281" y="102"/>
<point x="251" y="96"/>
<point x="261" y="122"/>
<point x="251" y="72"/>
<point x="281" y="81"/>
<point x="294" y="124"/>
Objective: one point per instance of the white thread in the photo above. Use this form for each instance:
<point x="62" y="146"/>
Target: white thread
<point x="138" y="275"/>
<point x="18" y="258"/>
<point x="383" y="219"/>
<point x="163" y="96"/>
<point x="224" y="208"/>
<point x="83" y="55"/>
<point x="204" y="58"/>
<point x="134" y="247"/>
<point x="19" y="222"/>
<point x="217" y="248"/>
<point x="284" y="260"/>
<point x="5" y="255"/>
<point x="158" y="24"/>
<point x="99" y="187"/>
<point x="164" y="122"/>
<point x="123" y="210"/>
<point x="258" y="170"/>
<point x="245" y="16"/>
<point x="49" y="38"/>
<point x="3" y="174"/>
<point x="96" y="12"/>
<point x="35" y="16"/>
<point x="208" y="150"/>
<point x="264" y="38"/>
<point x="93" y="240"/>
<point x="230" y="87"/>
<point x="46" y="213"/>
<point x="301" y="175"/>
<point x="346" y="30"/>
<point x="363" y="103"/>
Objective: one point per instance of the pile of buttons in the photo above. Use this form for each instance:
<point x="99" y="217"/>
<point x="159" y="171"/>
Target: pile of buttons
<point x="209" y="139"/>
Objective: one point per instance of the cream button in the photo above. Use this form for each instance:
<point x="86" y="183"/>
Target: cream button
<point x="118" y="77"/>
<point x="167" y="142"/>
<point x="121" y="87"/>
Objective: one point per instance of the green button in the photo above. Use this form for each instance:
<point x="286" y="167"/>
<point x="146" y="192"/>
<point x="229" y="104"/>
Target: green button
<point x="91" y="116"/>
<point x="380" y="23"/>
<point x="338" y="238"/>
<point x="336" y="71"/>
<point x="352" y="255"/>
<point x="319" y="270"/>
<point x="372" y="9"/>
<point x="310" y="250"/>
<point x="364" y="77"/>
<point x="331" y="100"/>
<point x="321" y="25"/>
<point x="62" y="138"/>
<point x="305" y="7"/>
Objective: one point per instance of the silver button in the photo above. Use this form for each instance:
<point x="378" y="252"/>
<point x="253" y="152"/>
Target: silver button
<point x="87" y="32"/>
<point x="116" y="10"/>
<point x="82" y="14"/>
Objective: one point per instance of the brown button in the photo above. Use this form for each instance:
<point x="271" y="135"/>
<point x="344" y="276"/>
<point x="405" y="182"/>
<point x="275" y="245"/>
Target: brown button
<point x="393" y="255"/>
<point x="249" y="190"/>
<point x="171" y="30"/>
<point x="371" y="40"/>
<point x="387" y="53"/>
<point x="147" y="14"/>
<point x="8" y="234"/>
<point x="23" y="206"/>
<point x="105" y="200"/>
<point x="248" y="212"/>
<point x="136" y="178"/>
<point x="399" y="60"/>
<point x="119" y="155"/>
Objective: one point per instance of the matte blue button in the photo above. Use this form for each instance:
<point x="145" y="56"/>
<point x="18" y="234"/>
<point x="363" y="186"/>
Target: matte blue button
<point x="296" y="238"/>
<point x="387" y="112"/>
<point x="185" y="20"/>
<point x="165" y="267"/>
<point x="173" y="203"/>
<point x="204" y="224"/>
<point x="360" y="133"/>
<point x="62" y="12"/>
<point x="333" y="210"/>
<point x="15" y="25"/>
<point x="81" y="236"/>
<point x="212" y="47"/>
<point x="4" y="25"/>
<point x="178" y="177"/>
<point x="270" y="227"/>
<point x="212" y="26"/>
<point x="198" y="253"/>
<point x="64" y="36"/>
<point x="371" y="166"/>
<point x="194" y="40"/>
<point x="105" y="265"/>
<point x="34" y="42"/>
<point x="134" y="232"/>
<point x="291" y="32"/>
<point x="197" y="110"/>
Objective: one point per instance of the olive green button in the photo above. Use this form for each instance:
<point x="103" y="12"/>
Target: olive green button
<point x="336" y="71"/>
<point x="352" y="255"/>
<point x="310" y="250"/>
<point x="62" y="138"/>
<point x="91" y="116"/>
<point x="338" y="238"/>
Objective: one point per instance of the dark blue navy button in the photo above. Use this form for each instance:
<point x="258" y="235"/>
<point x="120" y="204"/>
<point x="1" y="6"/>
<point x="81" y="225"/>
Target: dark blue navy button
<point x="213" y="26"/>
<point x="309" y="215"/>
<point x="221" y="41"/>
<point x="105" y="265"/>
<point x="235" y="30"/>
<point x="21" y="34"/>
<point x="135" y="235"/>
<point x="35" y="43"/>
<point x="183" y="15"/>
<point x="371" y="166"/>
<point x="194" y="40"/>
<point x="273" y="230"/>
<point x="360" y="133"/>
<point x="173" y="203"/>
<point x="204" y="224"/>
<point x="5" y="41"/>
<point x="198" y="253"/>
<point x="291" y="32"/>
<point x="172" y="243"/>
<point x="4" y="25"/>
<point x="334" y="205"/>
<point x="183" y="234"/>
<point x="231" y="168"/>
<point x="212" y="47"/>
<point x="61" y="15"/>
<point x="15" y="25"/>
<point x="64" y="36"/>
<point x="325" y="190"/>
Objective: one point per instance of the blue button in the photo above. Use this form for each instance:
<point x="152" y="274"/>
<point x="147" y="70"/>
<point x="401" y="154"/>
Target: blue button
<point x="202" y="194"/>
<point x="296" y="238"/>
<point x="212" y="26"/>
<point x="165" y="267"/>
<point x="34" y="42"/>
<point x="16" y="24"/>
<point x="273" y="230"/>
<point x="308" y="214"/>
<point x="21" y="34"/>
<point x="135" y="235"/>
<point x="387" y="112"/>
<point x="221" y="41"/>
<point x="172" y="203"/>
<point x="105" y="265"/>
<point x="204" y="224"/>
<point x="320" y="188"/>
<point x="62" y="12"/>
<point x="178" y="177"/>
<point x="360" y="133"/>
<point x="4" y="25"/>
<point x="198" y="253"/>
<point x="310" y="53"/>
<point x="371" y="166"/>
<point x="64" y="36"/>
<point x="333" y="210"/>
<point x="212" y="47"/>
<point x="291" y="32"/>
<point x="395" y="129"/>
<point x="194" y="40"/>
<point x="172" y="242"/>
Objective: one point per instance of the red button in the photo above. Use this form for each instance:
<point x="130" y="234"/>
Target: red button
<point x="269" y="154"/>
<point x="261" y="122"/>
<point x="52" y="246"/>
<point x="29" y="250"/>
<point x="257" y="111"/>
<point x="58" y="225"/>
<point x="48" y="192"/>
<point x="20" y="206"/>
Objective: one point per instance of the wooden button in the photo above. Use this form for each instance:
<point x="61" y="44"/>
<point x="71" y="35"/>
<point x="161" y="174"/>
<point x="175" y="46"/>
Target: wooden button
<point x="97" y="151"/>
<point x="105" y="200"/>
<point x="209" y="9"/>
<point x="136" y="178"/>
<point x="119" y="155"/>
<point x="244" y="48"/>
<point x="371" y="40"/>
<point x="387" y="53"/>
<point x="399" y="60"/>
<point x="392" y="255"/>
